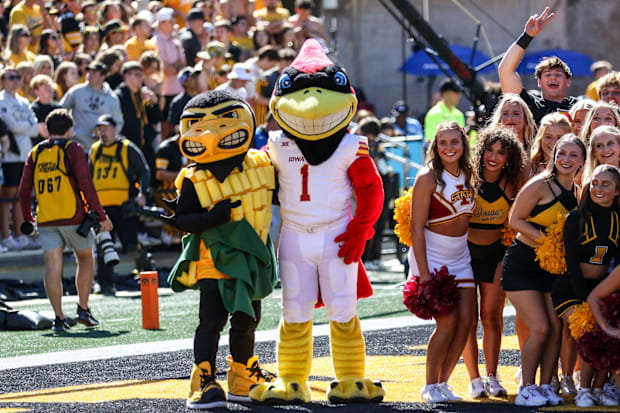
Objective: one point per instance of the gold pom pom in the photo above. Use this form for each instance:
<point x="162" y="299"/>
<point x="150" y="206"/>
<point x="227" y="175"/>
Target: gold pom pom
<point x="508" y="234"/>
<point x="550" y="253"/>
<point x="402" y="216"/>
<point x="581" y="321"/>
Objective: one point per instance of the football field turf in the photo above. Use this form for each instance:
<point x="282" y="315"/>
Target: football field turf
<point x="120" y="367"/>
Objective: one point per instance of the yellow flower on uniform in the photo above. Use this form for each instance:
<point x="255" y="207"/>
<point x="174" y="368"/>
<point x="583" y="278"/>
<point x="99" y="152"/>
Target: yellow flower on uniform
<point x="550" y="253"/>
<point x="581" y="321"/>
<point x="402" y="216"/>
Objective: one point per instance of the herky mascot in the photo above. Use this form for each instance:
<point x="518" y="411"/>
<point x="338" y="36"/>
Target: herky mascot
<point x="319" y="167"/>
<point x="224" y="203"/>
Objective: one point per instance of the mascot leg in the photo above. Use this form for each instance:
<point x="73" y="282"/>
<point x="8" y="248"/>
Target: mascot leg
<point x="349" y="358"/>
<point x="294" y="362"/>
<point x="205" y="392"/>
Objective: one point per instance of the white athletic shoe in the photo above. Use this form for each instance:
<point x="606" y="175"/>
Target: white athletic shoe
<point x="567" y="385"/>
<point x="602" y="398"/>
<point x="431" y="393"/>
<point x="11" y="243"/>
<point x="529" y="396"/>
<point x="448" y="392"/>
<point x="493" y="387"/>
<point x="476" y="389"/>
<point x="611" y="388"/>
<point x="547" y="391"/>
<point x="577" y="378"/>
<point x="555" y="384"/>
<point x="585" y="398"/>
<point x="3" y="248"/>
<point x="23" y="241"/>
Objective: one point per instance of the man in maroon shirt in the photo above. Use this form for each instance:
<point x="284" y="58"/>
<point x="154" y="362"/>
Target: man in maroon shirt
<point x="57" y="169"/>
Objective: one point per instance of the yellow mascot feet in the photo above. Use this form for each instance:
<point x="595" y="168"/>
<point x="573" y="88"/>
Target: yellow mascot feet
<point x="205" y="392"/>
<point x="349" y="358"/>
<point x="294" y="361"/>
<point x="241" y="377"/>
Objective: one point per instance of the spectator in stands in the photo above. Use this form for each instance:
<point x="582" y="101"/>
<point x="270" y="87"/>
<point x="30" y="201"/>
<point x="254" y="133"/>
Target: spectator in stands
<point x="264" y="68"/>
<point x="33" y="16"/>
<point x="304" y="20"/>
<point x="172" y="55"/>
<point x="109" y="10"/>
<point x="89" y="100"/>
<point x="50" y="45"/>
<point x="403" y="124"/>
<point x="69" y="26"/>
<point x="60" y="213"/>
<point x="140" y="42"/>
<point x="22" y="124"/>
<point x="17" y="45"/>
<point x="223" y="33"/>
<point x="238" y="77"/>
<point x="43" y="65"/>
<point x="89" y="15"/>
<point x="260" y="38"/>
<point x="443" y="111"/>
<point x="608" y="87"/>
<point x="272" y="16"/>
<point x="191" y="35"/>
<point x="82" y="60"/>
<point x="240" y="36"/>
<point x="117" y="165"/>
<point x="44" y="104"/>
<point x="66" y="77"/>
<point x="113" y="62"/>
<point x="152" y="65"/>
<point x="91" y="41"/>
<point x="26" y="72"/>
<point x="168" y="163"/>
<point x="188" y="77"/>
<point x="599" y="68"/>
<point x="114" y="33"/>
<point x="552" y="73"/>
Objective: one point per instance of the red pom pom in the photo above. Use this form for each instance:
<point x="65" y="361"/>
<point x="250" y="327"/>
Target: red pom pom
<point x="611" y="309"/>
<point x="600" y="350"/>
<point x="435" y="297"/>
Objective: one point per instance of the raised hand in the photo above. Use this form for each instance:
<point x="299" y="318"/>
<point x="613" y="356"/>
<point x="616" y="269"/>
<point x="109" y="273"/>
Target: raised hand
<point x="536" y="22"/>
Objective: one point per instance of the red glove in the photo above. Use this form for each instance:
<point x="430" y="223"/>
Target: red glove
<point x="353" y="243"/>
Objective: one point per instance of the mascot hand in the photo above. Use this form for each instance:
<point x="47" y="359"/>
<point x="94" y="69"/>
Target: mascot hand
<point x="220" y="213"/>
<point x="353" y="242"/>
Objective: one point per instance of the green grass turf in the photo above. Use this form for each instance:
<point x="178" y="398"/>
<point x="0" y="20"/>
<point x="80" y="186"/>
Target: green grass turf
<point x="121" y="320"/>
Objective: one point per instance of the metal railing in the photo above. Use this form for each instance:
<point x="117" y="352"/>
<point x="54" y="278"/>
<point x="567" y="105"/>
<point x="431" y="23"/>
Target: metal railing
<point x="404" y="160"/>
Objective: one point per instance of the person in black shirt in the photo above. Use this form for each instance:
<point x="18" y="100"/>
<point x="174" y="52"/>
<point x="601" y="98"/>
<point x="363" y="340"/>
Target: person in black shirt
<point x="190" y="36"/>
<point x="188" y="78"/>
<point x="553" y="74"/>
<point x="168" y="163"/>
<point x="42" y="86"/>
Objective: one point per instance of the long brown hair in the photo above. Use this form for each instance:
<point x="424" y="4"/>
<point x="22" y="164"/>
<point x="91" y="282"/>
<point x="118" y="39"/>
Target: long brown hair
<point x="538" y="154"/>
<point x="433" y="160"/>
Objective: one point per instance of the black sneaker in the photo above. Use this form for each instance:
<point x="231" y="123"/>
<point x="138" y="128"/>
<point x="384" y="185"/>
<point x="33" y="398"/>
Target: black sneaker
<point x="85" y="317"/>
<point x="60" y="325"/>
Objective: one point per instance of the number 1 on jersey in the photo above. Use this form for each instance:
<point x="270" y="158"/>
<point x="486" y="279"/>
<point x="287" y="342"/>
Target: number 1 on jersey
<point x="305" y="196"/>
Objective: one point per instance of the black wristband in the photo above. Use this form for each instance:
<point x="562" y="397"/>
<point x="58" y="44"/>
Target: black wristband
<point x="524" y="40"/>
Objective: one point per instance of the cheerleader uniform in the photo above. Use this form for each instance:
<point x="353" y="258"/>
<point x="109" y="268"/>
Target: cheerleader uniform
<point x="520" y="271"/>
<point x="597" y="245"/>
<point x="490" y="212"/>
<point x="447" y="204"/>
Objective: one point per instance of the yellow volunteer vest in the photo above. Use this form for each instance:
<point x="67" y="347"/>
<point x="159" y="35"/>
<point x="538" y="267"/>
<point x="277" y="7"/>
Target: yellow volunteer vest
<point x="254" y="187"/>
<point x="56" y="197"/>
<point x="109" y="166"/>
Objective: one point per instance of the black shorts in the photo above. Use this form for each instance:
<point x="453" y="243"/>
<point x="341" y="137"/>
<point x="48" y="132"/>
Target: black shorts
<point x="12" y="173"/>
<point x="484" y="260"/>
<point x="521" y="272"/>
<point x="563" y="294"/>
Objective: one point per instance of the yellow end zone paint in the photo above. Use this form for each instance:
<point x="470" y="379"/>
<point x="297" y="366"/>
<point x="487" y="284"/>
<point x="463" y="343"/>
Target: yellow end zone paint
<point x="13" y="409"/>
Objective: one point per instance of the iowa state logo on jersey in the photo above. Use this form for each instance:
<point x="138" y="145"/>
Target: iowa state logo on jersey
<point x="463" y="195"/>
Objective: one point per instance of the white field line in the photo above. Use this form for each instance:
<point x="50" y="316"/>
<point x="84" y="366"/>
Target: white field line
<point x="125" y="350"/>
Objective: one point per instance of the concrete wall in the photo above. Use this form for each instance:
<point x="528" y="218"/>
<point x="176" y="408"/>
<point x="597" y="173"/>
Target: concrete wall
<point x="369" y="41"/>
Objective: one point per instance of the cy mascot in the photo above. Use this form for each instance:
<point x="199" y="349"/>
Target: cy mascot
<point x="319" y="168"/>
<point x="223" y="202"/>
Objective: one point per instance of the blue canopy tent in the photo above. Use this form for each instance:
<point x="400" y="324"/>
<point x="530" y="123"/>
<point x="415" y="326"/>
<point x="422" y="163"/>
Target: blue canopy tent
<point x="579" y="63"/>
<point x="422" y="65"/>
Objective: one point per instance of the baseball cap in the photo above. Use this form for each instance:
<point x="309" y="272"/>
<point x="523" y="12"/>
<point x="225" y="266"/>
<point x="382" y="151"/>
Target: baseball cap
<point x="400" y="107"/>
<point x="185" y="73"/>
<point x="241" y="72"/>
<point x="195" y="14"/>
<point x="449" y="85"/>
<point x="98" y="66"/>
<point x="114" y="26"/>
<point x="165" y="13"/>
<point x="600" y="64"/>
<point x="105" y="120"/>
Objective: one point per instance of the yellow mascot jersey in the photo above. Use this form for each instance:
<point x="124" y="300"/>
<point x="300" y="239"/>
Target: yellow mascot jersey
<point x="109" y="166"/>
<point x="56" y="198"/>
<point x="254" y="187"/>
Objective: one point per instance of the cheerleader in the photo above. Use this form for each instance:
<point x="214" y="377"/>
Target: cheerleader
<point x="602" y="113"/>
<point x="499" y="161"/>
<point x="526" y="284"/>
<point x="442" y="202"/>
<point x="591" y="238"/>
<point x="552" y="127"/>
<point x="604" y="149"/>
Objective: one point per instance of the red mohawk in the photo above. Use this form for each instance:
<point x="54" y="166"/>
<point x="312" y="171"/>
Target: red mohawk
<point x="311" y="57"/>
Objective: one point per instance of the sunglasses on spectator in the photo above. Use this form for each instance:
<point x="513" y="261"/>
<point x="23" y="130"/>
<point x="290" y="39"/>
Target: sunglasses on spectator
<point x="12" y="77"/>
<point x="25" y="35"/>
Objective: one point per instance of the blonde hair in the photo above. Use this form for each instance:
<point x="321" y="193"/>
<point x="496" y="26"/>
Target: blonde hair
<point x="587" y="123"/>
<point x="591" y="161"/>
<point x="529" y="127"/>
<point x="538" y="155"/>
<point x="40" y="80"/>
<point x="610" y="79"/>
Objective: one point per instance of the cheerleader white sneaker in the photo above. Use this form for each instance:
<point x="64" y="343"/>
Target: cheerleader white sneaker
<point x="493" y="386"/>
<point x="448" y="392"/>
<point x="547" y="391"/>
<point x="567" y="385"/>
<point x="476" y="389"/>
<point x="432" y="394"/>
<point x="602" y="398"/>
<point x="585" y="398"/>
<point x="611" y="388"/>
<point x="529" y="396"/>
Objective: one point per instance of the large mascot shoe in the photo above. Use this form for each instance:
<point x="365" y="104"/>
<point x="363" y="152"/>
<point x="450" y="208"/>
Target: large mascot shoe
<point x="243" y="376"/>
<point x="294" y="361"/>
<point x="205" y="392"/>
<point x="349" y="358"/>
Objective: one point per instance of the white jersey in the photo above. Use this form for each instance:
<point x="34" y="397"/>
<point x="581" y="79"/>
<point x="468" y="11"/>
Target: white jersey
<point x="314" y="197"/>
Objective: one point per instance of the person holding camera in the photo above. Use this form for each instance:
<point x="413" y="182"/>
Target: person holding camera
<point x="122" y="180"/>
<point x="58" y="171"/>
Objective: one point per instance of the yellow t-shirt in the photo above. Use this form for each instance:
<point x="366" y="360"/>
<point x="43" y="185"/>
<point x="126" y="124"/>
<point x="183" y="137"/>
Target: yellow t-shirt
<point x="280" y="14"/>
<point x="29" y="17"/>
<point x="135" y="47"/>
<point x="591" y="91"/>
<point x="244" y="43"/>
<point x="27" y="56"/>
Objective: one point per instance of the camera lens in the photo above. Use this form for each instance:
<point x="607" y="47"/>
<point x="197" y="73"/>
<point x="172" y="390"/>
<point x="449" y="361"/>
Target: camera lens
<point x="106" y="248"/>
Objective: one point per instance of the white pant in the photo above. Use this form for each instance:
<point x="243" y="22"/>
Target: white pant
<point x="309" y="262"/>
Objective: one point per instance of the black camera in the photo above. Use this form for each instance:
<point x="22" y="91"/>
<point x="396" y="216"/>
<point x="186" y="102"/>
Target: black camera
<point x="28" y="228"/>
<point x="105" y="246"/>
<point x="90" y="222"/>
<point x="131" y="209"/>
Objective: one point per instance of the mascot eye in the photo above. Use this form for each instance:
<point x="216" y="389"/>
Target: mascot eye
<point x="340" y="78"/>
<point x="233" y="115"/>
<point x="190" y="122"/>
<point x="285" y="82"/>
